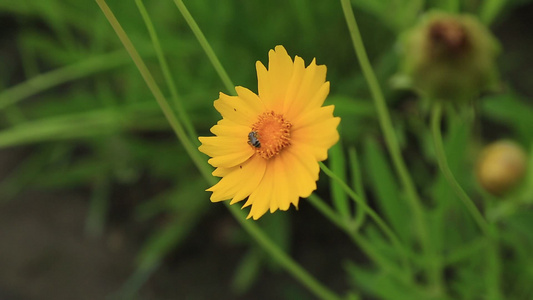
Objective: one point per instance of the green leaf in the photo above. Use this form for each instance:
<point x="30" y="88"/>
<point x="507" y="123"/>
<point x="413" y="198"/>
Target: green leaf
<point x="348" y="107"/>
<point x="511" y="110"/>
<point x="357" y="185"/>
<point x="80" y="125"/>
<point x="490" y="9"/>
<point x="337" y="164"/>
<point x="396" y="15"/>
<point x="385" y="189"/>
<point x="278" y="228"/>
<point x="448" y="208"/>
<point x="98" y="207"/>
<point x="77" y="174"/>
<point x="164" y="240"/>
<point x="380" y="285"/>
<point x="25" y="173"/>
<point x="172" y="234"/>
<point x="451" y="6"/>
<point x="247" y="271"/>
<point x="178" y="200"/>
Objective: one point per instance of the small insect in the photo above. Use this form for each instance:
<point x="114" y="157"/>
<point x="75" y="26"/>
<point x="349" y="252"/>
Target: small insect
<point x="253" y="139"/>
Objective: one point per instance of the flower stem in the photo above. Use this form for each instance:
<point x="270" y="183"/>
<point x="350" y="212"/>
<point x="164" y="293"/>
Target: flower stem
<point x="337" y="163"/>
<point x="206" y="46"/>
<point x="492" y="275"/>
<point x="379" y="221"/>
<point x="370" y="251"/>
<point x="357" y="186"/>
<point x="327" y="211"/>
<point x="490" y="9"/>
<point x="443" y="165"/>
<point x="392" y="142"/>
<point x="154" y="88"/>
<point x="184" y="118"/>
<point x="281" y="257"/>
<point x="252" y="228"/>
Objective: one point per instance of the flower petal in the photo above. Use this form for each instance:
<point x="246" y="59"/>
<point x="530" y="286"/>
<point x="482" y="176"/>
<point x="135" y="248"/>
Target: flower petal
<point x="261" y="197"/>
<point x="227" y="128"/>
<point x="230" y="146"/>
<point x="287" y="177"/>
<point x="255" y="103"/>
<point x="317" y="99"/>
<point x="317" y="136"/>
<point x="239" y="181"/>
<point x="281" y="190"/>
<point x="273" y="84"/>
<point x="291" y="106"/>
<point x="251" y="179"/>
<point x="231" y="159"/>
<point x="221" y="145"/>
<point x="236" y="109"/>
<point x="304" y="170"/>
<point x="312" y="117"/>
<point x="311" y="90"/>
<point x="221" y="171"/>
<point x="263" y="84"/>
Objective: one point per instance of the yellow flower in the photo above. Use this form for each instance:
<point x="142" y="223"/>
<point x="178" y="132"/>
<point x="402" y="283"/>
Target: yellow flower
<point x="267" y="146"/>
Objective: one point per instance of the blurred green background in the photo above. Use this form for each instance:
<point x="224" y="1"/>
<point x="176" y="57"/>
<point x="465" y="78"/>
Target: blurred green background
<point x="98" y="198"/>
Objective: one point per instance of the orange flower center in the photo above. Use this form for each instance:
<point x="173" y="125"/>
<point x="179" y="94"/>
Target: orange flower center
<point x="270" y="134"/>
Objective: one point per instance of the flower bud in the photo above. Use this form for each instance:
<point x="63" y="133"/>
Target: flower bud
<point x="449" y="57"/>
<point x="501" y="166"/>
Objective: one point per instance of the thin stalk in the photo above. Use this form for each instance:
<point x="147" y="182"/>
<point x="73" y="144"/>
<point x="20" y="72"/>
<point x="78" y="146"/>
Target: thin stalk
<point x="358" y="239"/>
<point x="493" y="265"/>
<point x="443" y="165"/>
<point x="154" y="88"/>
<point x="357" y="186"/>
<point x="327" y="211"/>
<point x="379" y="221"/>
<point x="384" y="264"/>
<point x="492" y="276"/>
<point x="206" y="46"/>
<point x="281" y="257"/>
<point x="24" y="173"/>
<point x="392" y="143"/>
<point x="98" y="207"/>
<point x="176" y="99"/>
<point x="490" y="9"/>
<point x="466" y="251"/>
<point x="493" y="272"/>
<point x="285" y="261"/>
<point x="337" y="164"/>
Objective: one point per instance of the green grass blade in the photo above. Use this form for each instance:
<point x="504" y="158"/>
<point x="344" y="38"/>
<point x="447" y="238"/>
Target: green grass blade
<point x="357" y="183"/>
<point x="184" y="118"/>
<point x="387" y="128"/>
<point x="490" y="9"/>
<point x="53" y="78"/>
<point x="337" y="164"/>
<point x="230" y="87"/>
<point x="386" y="190"/>
<point x="445" y="168"/>
<point x="98" y="207"/>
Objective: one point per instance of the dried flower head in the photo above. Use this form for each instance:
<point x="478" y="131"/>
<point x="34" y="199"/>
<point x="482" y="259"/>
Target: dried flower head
<point x="450" y="57"/>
